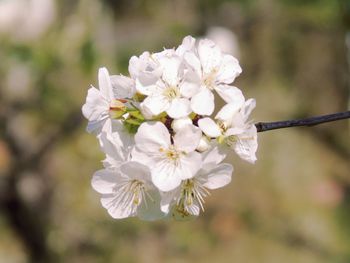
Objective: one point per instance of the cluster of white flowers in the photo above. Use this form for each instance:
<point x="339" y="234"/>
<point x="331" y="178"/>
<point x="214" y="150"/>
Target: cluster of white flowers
<point x="163" y="151"/>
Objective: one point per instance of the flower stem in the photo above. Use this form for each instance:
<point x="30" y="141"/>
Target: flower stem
<point x="311" y="121"/>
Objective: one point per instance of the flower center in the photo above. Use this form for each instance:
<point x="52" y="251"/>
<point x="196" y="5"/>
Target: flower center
<point x="172" y="154"/>
<point x="171" y="92"/>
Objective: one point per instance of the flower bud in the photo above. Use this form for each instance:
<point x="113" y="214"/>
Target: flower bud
<point x="117" y="109"/>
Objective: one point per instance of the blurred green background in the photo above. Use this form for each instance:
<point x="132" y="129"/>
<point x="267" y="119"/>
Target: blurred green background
<point x="293" y="205"/>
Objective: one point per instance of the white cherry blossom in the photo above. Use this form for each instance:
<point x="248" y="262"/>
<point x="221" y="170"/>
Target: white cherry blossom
<point x="163" y="154"/>
<point x="108" y="101"/>
<point x="164" y="93"/>
<point x="188" y="199"/>
<point x="214" y="71"/>
<point x="232" y="128"/>
<point x="128" y="191"/>
<point x="171" y="162"/>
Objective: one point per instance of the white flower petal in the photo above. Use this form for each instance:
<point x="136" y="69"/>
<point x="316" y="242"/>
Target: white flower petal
<point x="180" y="123"/>
<point x="179" y="108"/>
<point x="229" y="70"/>
<point x="165" y="176"/>
<point x="135" y="170"/>
<point x="146" y="113"/>
<point x="156" y="104"/>
<point x="247" y="108"/>
<point x="110" y="162"/>
<point x="219" y="176"/>
<point x="247" y="144"/>
<point x="230" y="94"/>
<point x="115" y="210"/>
<point x="216" y="155"/>
<point x="209" y="55"/>
<point x="187" y="139"/>
<point x="115" y="142"/>
<point x="209" y="127"/>
<point x="95" y="127"/>
<point x="120" y="134"/>
<point x="171" y="70"/>
<point x="123" y="87"/>
<point x="107" y="200"/>
<point x="227" y="112"/>
<point x="167" y="198"/>
<point x="112" y="148"/>
<point x="96" y="106"/>
<point x="190" y="164"/>
<point x="143" y="157"/>
<point x="194" y="63"/>
<point x="144" y="67"/>
<point x="190" y="85"/>
<point x="104" y="83"/>
<point x="147" y="86"/>
<point x="194" y="209"/>
<point x="204" y="144"/>
<point x="149" y="209"/>
<point x="151" y="136"/>
<point x="134" y="67"/>
<point x="103" y="181"/>
<point x="187" y="45"/>
<point x="238" y="122"/>
<point x="235" y="131"/>
<point x="203" y="102"/>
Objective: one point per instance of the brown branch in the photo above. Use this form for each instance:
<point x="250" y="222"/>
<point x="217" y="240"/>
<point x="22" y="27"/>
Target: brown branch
<point x="267" y="126"/>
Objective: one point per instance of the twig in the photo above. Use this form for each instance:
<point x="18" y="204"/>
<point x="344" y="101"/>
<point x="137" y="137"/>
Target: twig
<point x="267" y="126"/>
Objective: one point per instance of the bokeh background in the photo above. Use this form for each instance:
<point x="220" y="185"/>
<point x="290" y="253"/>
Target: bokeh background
<point x="293" y="205"/>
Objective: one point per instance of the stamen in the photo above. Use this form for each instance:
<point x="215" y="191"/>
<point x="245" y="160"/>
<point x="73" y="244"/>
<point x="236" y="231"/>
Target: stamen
<point x="129" y="194"/>
<point x="171" y="154"/>
<point x="222" y="125"/>
<point x="192" y="190"/>
<point x="171" y="92"/>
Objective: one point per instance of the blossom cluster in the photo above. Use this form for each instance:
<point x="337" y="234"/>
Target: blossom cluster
<point x="164" y="149"/>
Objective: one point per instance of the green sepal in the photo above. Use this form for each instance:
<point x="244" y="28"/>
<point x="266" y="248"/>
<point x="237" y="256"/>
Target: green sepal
<point x="139" y="97"/>
<point x="160" y="117"/>
<point x="137" y="114"/>
<point x="192" y="115"/>
<point x="131" y="128"/>
<point x="133" y="121"/>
